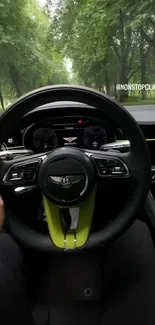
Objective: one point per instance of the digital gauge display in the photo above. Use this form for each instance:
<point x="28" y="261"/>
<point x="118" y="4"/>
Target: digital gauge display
<point x="73" y="132"/>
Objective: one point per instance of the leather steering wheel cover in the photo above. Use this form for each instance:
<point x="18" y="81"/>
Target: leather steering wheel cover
<point x="138" y="147"/>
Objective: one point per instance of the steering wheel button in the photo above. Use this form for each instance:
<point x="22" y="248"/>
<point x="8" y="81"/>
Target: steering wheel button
<point x="101" y="163"/>
<point x="101" y="166"/>
<point x="111" y="163"/>
<point x="14" y="176"/>
<point x="22" y="172"/>
<point x="117" y="169"/>
<point x="29" y="174"/>
<point x="103" y="171"/>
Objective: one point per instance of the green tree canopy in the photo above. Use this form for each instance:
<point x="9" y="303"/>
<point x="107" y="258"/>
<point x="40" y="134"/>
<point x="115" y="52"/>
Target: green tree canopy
<point x="108" y="41"/>
<point x="28" y="55"/>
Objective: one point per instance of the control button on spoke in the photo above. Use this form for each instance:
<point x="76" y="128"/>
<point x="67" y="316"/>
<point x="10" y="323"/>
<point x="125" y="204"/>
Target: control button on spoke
<point x="15" y="174"/>
<point x="103" y="171"/>
<point x="30" y="170"/>
<point x="26" y="172"/>
<point x="111" y="167"/>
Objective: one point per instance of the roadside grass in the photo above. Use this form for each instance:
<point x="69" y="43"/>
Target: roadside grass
<point x="138" y="101"/>
<point x="135" y="99"/>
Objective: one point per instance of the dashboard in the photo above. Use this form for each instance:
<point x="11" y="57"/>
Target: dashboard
<point x="40" y="131"/>
<point x="77" y="131"/>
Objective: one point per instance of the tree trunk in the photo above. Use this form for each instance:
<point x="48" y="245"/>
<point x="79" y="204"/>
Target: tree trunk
<point x="150" y="41"/>
<point x="15" y="80"/>
<point x="123" y="93"/>
<point x="105" y="76"/>
<point x="115" y="90"/>
<point x="142" y="64"/>
<point x="123" y="80"/>
<point x="1" y="98"/>
<point x="107" y="83"/>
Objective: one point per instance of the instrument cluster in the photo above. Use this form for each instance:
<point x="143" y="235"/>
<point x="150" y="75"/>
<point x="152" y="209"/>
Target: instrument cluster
<point x="81" y="132"/>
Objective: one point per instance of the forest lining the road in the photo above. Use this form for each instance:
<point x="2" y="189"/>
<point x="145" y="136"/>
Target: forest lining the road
<point x="96" y="43"/>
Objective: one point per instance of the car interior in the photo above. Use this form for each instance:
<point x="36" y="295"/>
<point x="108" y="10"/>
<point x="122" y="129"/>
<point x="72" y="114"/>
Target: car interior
<point x="76" y="170"/>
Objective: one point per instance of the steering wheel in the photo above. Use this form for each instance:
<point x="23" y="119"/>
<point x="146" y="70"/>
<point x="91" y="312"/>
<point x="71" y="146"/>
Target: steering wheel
<point x="68" y="177"/>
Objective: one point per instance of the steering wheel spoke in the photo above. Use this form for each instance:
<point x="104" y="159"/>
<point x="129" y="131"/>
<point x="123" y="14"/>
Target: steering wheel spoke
<point x="110" y="164"/>
<point x="20" y="171"/>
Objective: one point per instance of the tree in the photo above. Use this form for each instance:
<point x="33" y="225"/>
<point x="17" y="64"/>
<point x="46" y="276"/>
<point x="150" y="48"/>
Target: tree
<point x="98" y="35"/>
<point x="26" y="59"/>
<point x="107" y="41"/>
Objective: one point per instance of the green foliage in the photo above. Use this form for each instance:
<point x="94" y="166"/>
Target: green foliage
<point x="108" y="41"/>
<point x="28" y="56"/>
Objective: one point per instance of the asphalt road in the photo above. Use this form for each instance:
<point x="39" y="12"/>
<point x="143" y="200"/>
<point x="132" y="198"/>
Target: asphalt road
<point x="142" y="113"/>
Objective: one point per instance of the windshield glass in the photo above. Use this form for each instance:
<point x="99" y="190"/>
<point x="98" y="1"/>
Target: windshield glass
<point x="104" y="44"/>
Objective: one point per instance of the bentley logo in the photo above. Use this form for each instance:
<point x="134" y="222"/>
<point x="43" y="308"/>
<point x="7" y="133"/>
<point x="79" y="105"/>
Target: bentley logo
<point x="70" y="139"/>
<point x="62" y="180"/>
<point x="66" y="180"/>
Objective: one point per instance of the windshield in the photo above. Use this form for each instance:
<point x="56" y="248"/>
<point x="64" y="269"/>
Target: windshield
<point x="108" y="45"/>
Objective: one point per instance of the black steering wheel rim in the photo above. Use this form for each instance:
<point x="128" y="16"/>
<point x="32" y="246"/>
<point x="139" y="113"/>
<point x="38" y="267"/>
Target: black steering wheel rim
<point x="139" y="154"/>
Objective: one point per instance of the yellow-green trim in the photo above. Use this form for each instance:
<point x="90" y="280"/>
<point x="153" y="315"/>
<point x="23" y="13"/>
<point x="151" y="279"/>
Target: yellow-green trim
<point x="18" y="147"/>
<point x="55" y="225"/>
<point x="85" y="221"/>
<point x="71" y="239"/>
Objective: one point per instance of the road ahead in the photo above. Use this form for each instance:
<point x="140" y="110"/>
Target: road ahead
<point x="142" y="108"/>
<point x="142" y="113"/>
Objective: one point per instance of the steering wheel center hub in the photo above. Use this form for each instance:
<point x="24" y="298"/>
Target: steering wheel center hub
<point x="66" y="176"/>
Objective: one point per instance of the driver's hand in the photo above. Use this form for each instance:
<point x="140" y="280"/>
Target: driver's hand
<point x="2" y="213"/>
